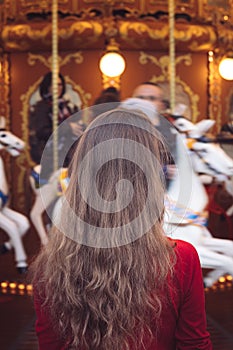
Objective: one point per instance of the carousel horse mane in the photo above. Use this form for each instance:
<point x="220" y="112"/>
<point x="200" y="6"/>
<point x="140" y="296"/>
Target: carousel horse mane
<point x="12" y="222"/>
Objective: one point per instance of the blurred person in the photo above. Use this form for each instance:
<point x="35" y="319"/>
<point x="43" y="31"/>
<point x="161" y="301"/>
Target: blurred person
<point x="41" y="122"/>
<point x="109" y="278"/>
<point x="151" y="92"/>
<point x="109" y="98"/>
<point x="154" y="94"/>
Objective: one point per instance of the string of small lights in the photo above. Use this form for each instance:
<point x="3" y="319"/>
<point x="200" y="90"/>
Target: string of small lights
<point x="224" y="283"/>
<point x="19" y="288"/>
<point x="16" y="288"/>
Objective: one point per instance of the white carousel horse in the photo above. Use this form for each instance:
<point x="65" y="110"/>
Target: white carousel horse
<point x="186" y="204"/>
<point x="44" y="197"/>
<point x="204" y="152"/>
<point x="212" y="169"/>
<point x="12" y="222"/>
<point x="204" y="158"/>
<point x="187" y="200"/>
<point x="229" y="189"/>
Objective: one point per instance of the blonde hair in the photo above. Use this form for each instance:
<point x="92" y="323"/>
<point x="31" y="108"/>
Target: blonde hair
<point x="106" y="297"/>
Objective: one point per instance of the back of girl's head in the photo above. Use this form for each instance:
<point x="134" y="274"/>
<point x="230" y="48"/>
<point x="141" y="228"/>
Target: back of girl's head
<point x="116" y="179"/>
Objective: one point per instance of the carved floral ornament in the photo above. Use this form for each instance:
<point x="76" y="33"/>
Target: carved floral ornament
<point x="199" y="25"/>
<point x="90" y="34"/>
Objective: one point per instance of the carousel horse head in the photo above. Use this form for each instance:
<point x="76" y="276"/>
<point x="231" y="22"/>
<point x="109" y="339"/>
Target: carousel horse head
<point x="209" y="158"/>
<point x="207" y="155"/>
<point x="8" y="141"/>
<point x="192" y="130"/>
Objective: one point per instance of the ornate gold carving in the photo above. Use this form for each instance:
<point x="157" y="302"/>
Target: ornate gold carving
<point x="140" y="29"/>
<point x="4" y="86"/>
<point x="77" y="57"/>
<point x="5" y="104"/>
<point x="194" y="36"/>
<point x="210" y="9"/>
<point x="77" y="29"/>
<point x="108" y="81"/>
<point x="109" y="2"/>
<point x="163" y="63"/>
<point x="19" y="37"/>
<point x="23" y="37"/>
<point x="75" y="33"/>
<point x="214" y="103"/>
<point x="20" y="8"/>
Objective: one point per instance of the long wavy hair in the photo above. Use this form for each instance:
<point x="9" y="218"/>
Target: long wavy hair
<point x="109" y="292"/>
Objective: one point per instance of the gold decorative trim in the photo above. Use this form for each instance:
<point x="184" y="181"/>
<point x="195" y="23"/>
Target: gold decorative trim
<point x="210" y="11"/>
<point x="77" y="34"/>
<point x="47" y="62"/>
<point x="108" y="81"/>
<point x="25" y="37"/>
<point x="4" y="86"/>
<point x="214" y="103"/>
<point x="5" y="106"/>
<point x="196" y="37"/>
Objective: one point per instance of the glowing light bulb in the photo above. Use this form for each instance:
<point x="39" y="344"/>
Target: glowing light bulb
<point x="226" y="68"/>
<point x="112" y="64"/>
<point x="4" y="284"/>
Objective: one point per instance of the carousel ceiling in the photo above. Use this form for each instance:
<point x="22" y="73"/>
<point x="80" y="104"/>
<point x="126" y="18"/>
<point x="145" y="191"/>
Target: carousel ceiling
<point x="135" y="24"/>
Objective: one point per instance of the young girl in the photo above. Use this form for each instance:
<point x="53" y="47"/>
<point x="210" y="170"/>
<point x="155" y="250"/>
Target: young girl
<point x="109" y="278"/>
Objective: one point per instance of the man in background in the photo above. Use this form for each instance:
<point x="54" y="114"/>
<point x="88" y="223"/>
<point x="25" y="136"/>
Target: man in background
<point x="153" y="93"/>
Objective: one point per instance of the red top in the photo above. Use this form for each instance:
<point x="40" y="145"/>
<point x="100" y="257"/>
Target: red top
<point x="183" y="320"/>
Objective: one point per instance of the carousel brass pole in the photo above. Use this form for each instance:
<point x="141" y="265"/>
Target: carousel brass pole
<point x="55" y="81"/>
<point x="172" y="68"/>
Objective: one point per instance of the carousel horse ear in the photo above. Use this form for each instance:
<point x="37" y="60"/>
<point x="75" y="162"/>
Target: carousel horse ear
<point x="205" y="125"/>
<point x="2" y="122"/>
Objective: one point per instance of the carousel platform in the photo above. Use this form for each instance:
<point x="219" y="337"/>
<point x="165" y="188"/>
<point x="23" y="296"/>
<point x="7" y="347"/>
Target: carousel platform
<point x="17" y="317"/>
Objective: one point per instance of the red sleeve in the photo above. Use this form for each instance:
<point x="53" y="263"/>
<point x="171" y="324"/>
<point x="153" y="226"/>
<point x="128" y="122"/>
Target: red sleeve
<point x="191" y="331"/>
<point x="47" y="337"/>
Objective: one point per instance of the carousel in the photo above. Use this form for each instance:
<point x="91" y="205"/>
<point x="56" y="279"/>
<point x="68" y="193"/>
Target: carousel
<point x="86" y="47"/>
